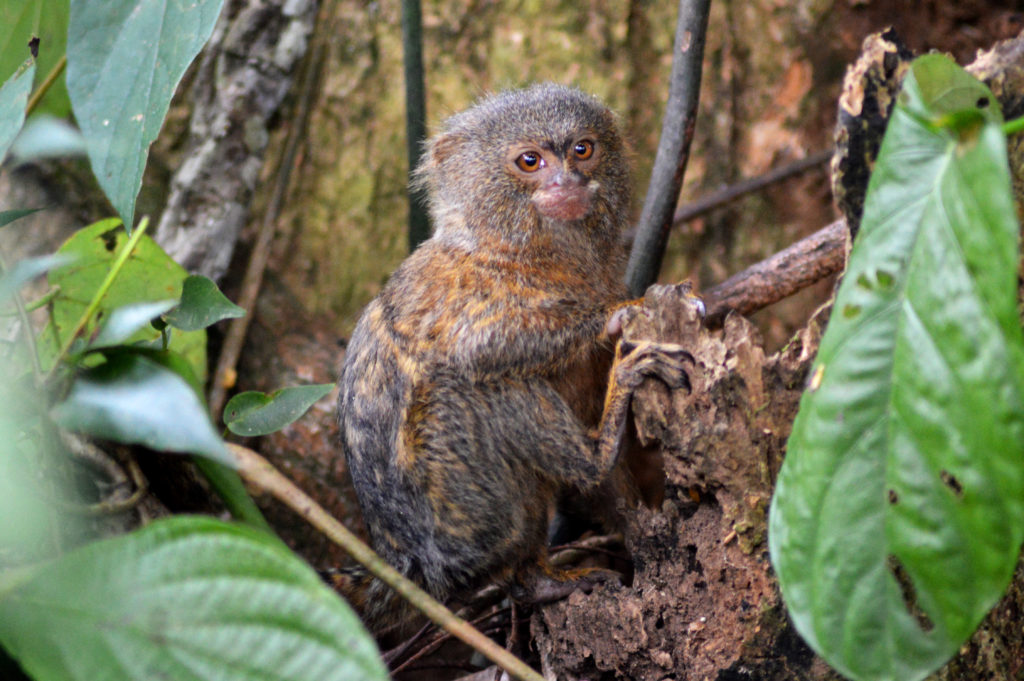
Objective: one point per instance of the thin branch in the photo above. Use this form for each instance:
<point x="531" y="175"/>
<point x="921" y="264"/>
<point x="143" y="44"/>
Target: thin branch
<point x="706" y="204"/>
<point x="673" y="149"/>
<point x="257" y="471"/>
<point x="807" y="261"/>
<point x="415" y="114"/>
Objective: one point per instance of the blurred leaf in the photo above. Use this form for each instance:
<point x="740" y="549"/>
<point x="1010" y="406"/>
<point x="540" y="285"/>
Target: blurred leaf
<point x="125" y="60"/>
<point x="254" y="413"/>
<point x="899" y="510"/>
<point x="33" y="526"/>
<point x="48" y="137"/>
<point x="26" y="270"/>
<point x="189" y="599"/>
<point x="124" y="322"/>
<point x="149" y="275"/>
<point x="202" y="304"/>
<point x="9" y="216"/>
<point x="13" y="99"/>
<point x="132" y="399"/>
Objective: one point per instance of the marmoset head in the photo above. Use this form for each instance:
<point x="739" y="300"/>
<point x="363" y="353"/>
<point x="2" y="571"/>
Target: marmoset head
<point x="525" y="160"/>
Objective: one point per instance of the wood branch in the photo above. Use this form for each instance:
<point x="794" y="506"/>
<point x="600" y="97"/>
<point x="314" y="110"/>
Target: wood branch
<point x="415" y="115"/>
<point x="708" y="203"/>
<point x="673" y="149"/>
<point x="807" y="261"/>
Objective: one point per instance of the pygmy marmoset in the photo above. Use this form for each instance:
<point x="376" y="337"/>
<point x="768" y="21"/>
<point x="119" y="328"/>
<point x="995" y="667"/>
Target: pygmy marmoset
<point x="473" y="391"/>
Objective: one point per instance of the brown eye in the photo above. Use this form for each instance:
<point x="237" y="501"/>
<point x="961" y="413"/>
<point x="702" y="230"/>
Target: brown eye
<point x="529" y="161"/>
<point x="583" y="149"/>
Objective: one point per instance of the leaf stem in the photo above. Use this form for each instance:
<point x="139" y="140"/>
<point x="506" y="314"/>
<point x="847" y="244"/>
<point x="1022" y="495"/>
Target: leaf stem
<point x="94" y="304"/>
<point x="50" y="79"/>
<point x="26" y="326"/>
<point x="1014" y="126"/>
<point x="42" y="300"/>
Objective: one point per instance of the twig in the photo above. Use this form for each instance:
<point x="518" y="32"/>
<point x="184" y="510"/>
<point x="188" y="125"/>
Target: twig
<point x="807" y="261"/>
<point x="443" y="637"/>
<point x="706" y="204"/>
<point x="85" y="451"/>
<point x="257" y="471"/>
<point x="673" y="148"/>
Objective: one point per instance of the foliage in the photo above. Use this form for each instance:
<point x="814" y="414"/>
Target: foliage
<point x="124" y="61"/>
<point x="13" y="98"/>
<point x="123" y="358"/>
<point x="899" y="512"/>
<point x="186" y="598"/>
<point x="48" y="20"/>
<point x="254" y="413"/>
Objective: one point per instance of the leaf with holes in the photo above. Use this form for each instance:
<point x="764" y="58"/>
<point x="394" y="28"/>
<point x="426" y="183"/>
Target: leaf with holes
<point x="185" y="598"/>
<point x="899" y="510"/>
<point x="149" y="275"/>
<point x="22" y="20"/>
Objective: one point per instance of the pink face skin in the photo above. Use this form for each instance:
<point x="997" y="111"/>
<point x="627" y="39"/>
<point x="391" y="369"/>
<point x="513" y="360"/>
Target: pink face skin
<point x="559" y="177"/>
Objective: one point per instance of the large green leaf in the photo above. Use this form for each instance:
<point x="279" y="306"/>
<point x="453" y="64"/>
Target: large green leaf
<point x="133" y="399"/>
<point x="189" y="599"/>
<point x="124" y="61"/>
<point x="13" y="99"/>
<point x="899" y="510"/>
<point x="20" y="21"/>
<point x="149" y="275"/>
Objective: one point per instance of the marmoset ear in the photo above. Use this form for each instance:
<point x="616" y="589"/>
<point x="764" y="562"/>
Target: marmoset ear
<point x="436" y="151"/>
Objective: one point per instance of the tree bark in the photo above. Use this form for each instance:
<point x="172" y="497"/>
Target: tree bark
<point x="244" y="73"/>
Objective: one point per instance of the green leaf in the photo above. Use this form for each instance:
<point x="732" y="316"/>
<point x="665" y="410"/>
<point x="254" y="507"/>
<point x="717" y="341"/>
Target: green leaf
<point x="132" y="399"/>
<point x="124" y="61"/>
<point x="124" y="322"/>
<point x="189" y="599"/>
<point x="168" y="359"/>
<point x="13" y="100"/>
<point x="254" y="413"/>
<point x="149" y="275"/>
<point x="899" y="511"/>
<point x="9" y="216"/>
<point x="202" y="304"/>
<point x="20" y="20"/>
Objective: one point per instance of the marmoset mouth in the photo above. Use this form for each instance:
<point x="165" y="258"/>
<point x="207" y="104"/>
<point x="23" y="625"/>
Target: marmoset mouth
<point x="563" y="202"/>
